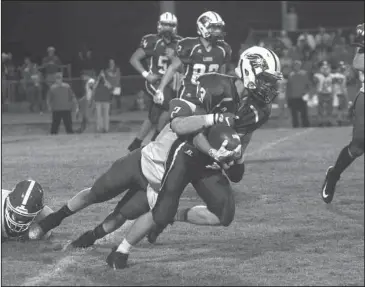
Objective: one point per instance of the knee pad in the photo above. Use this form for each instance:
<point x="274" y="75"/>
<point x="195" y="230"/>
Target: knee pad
<point x="356" y="148"/>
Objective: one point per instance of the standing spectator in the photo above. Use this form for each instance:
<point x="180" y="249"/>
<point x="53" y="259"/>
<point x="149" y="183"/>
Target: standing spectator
<point x="31" y="84"/>
<point x="86" y="104"/>
<point x="51" y="65"/>
<point x="323" y="39"/>
<point x="11" y="77"/>
<point x="88" y="64"/>
<point x="113" y="75"/>
<point x="269" y="41"/>
<point x="308" y="39"/>
<point x="291" y="23"/>
<point x="285" y="40"/>
<point x="286" y="62"/>
<point x="61" y="99"/>
<point x="324" y="90"/>
<point x="102" y="102"/>
<point x="298" y="86"/>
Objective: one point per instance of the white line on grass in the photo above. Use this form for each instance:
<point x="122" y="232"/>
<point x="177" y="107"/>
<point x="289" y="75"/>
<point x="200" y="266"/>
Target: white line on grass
<point x="52" y="271"/>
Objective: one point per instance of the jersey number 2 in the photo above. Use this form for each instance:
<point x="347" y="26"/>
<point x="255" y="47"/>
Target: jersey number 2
<point x="200" y="69"/>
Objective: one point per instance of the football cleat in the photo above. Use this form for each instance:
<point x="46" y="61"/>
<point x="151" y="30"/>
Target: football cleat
<point x="85" y="240"/>
<point x="117" y="260"/>
<point x="329" y="185"/>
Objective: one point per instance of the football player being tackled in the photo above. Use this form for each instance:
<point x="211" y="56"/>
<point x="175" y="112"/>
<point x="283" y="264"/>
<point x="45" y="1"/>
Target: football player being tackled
<point x="193" y="160"/>
<point x="356" y="147"/>
<point x="158" y="50"/>
<point x="20" y="208"/>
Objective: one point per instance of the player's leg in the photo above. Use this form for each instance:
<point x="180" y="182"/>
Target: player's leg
<point x="215" y="190"/>
<point x="176" y="178"/>
<point x="132" y="205"/>
<point x="125" y="173"/>
<point x="149" y="123"/>
<point x="349" y="153"/>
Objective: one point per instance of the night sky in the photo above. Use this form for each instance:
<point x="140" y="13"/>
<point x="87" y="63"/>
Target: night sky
<point x="115" y="28"/>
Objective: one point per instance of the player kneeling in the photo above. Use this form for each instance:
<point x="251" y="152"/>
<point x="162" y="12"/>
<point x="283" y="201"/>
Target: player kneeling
<point x="20" y="208"/>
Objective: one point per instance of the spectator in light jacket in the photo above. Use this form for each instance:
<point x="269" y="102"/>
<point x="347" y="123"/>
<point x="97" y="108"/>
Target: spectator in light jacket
<point x="61" y="100"/>
<point x="297" y="90"/>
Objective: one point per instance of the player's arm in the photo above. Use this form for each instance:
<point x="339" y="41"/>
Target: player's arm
<point x="170" y="72"/>
<point x="144" y="50"/>
<point x="236" y="171"/>
<point x="358" y="62"/>
<point x="227" y="58"/>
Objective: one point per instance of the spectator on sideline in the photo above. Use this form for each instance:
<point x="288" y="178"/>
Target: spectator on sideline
<point x="102" y="96"/>
<point x="323" y="39"/>
<point x="285" y="40"/>
<point x="51" y="65"/>
<point x="298" y="86"/>
<point x="61" y="100"/>
<point x="31" y="84"/>
<point x="86" y="103"/>
<point x="113" y="77"/>
<point x="286" y="62"/>
<point x="11" y="77"/>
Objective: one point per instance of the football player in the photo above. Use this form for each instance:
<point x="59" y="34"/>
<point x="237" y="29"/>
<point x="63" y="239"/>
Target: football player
<point x="203" y="54"/>
<point x="158" y="50"/>
<point x="340" y="92"/>
<point x="258" y="72"/>
<point x="20" y="208"/>
<point x="356" y="147"/>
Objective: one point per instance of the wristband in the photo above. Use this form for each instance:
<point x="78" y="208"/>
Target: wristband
<point x="209" y="120"/>
<point x="145" y="74"/>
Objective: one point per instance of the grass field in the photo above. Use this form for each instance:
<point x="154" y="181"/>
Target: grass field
<point x="283" y="233"/>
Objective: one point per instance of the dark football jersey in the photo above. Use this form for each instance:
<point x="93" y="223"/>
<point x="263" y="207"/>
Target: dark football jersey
<point x="155" y="49"/>
<point x="198" y="61"/>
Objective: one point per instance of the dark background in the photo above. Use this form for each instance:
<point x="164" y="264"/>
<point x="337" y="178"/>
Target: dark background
<point x="114" y="29"/>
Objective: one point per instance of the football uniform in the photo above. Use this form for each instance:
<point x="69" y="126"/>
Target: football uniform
<point x="156" y="50"/>
<point x="185" y="164"/>
<point x="358" y="116"/>
<point x="339" y="83"/>
<point x="325" y="95"/>
<point x="198" y="61"/>
<point x="6" y="234"/>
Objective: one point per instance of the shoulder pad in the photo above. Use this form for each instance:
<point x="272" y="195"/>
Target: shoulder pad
<point x="185" y="45"/>
<point x="149" y="41"/>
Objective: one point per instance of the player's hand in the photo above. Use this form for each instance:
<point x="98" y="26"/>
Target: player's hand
<point x="237" y="155"/>
<point x="152" y="78"/>
<point x="158" y="98"/>
<point x="225" y="118"/>
<point x="222" y="153"/>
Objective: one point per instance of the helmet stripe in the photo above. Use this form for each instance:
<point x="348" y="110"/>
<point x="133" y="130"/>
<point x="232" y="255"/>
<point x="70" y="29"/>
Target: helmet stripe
<point x="273" y="55"/>
<point x="241" y="62"/>
<point x="215" y="14"/>
<point x="28" y="192"/>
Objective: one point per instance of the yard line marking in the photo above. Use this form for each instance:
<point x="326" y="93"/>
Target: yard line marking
<point x="50" y="273"/>
<point x="269" y="146"/>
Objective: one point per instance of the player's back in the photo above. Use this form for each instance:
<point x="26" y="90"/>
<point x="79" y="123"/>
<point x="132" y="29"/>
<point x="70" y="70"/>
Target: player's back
<point x="154" y="156"/>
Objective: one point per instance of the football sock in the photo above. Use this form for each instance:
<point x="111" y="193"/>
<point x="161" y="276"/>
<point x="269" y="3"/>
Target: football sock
<point x="99" y="231"/>
<point x="182" y="215"/>
<point x="343" y="161"/>
<point x="55" y="219"/>
<point x="155" y="136"/>
<point x="124" y="247"/>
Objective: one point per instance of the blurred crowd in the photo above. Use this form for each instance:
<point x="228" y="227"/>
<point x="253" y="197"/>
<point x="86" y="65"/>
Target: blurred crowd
<point x="303" y="54"/>
<point x="317" y="69"/>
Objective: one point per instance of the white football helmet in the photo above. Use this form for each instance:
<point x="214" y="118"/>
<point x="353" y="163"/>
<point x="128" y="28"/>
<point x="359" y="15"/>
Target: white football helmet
<point x="260" y="70"/>
<point x="210" y="26"/>
<point x="167" y="24"/>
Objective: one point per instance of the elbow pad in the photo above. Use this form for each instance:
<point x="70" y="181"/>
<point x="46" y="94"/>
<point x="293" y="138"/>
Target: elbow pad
<point x="235" y="172"/>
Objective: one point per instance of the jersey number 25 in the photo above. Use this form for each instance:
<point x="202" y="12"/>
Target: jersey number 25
<point x="200" y="69"/>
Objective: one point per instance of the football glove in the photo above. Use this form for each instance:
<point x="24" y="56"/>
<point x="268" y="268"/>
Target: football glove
<point x="222" y="153"/>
